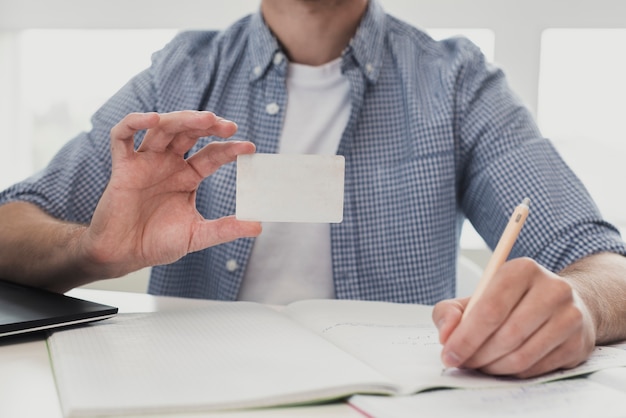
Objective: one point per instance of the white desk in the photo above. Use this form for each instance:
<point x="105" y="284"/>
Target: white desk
<point x="27" y="388"/>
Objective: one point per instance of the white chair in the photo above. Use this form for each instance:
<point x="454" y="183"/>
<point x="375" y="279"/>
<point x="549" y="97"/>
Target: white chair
<point x="467" y="276"/>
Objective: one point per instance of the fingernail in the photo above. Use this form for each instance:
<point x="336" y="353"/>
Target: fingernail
<point x="450" y="359"/>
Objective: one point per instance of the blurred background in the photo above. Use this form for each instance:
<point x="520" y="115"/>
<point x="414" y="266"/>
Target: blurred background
<point x="61" y="59"/>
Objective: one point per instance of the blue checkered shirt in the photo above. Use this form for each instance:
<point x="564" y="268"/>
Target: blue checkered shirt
<point x="435" y="136"/>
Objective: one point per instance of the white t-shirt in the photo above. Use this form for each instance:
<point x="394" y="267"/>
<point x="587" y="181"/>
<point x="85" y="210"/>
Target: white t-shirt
<point x="292" y="261"/>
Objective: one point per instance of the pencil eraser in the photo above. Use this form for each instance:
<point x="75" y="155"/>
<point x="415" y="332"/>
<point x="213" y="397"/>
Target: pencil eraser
<point x="290" y="188"/>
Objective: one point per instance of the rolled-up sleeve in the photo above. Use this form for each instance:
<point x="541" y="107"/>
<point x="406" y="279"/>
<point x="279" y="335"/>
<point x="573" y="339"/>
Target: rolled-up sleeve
<point x="504" y="159"/>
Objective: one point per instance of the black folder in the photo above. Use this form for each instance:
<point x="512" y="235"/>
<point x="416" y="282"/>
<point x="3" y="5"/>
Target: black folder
<point x="26" y="309"/>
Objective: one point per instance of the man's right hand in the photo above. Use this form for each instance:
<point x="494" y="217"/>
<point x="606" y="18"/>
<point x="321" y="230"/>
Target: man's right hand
<point x="147" y="214"/>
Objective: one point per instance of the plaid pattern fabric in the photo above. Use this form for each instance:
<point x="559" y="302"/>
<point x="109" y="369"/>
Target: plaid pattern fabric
<point x="435" y="136"/>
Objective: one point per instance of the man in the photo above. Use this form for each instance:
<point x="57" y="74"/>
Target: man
<point x="430" y="134"/>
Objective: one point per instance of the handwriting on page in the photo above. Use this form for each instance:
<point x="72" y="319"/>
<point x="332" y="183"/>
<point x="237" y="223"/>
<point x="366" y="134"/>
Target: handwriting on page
<point x="411" y="353"/>
<point x="402" y="352"/>
<point x="406" y="335"/>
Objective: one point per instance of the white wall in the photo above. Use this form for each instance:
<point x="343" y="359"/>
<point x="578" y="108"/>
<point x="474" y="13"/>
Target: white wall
<point x="518" y="24"/>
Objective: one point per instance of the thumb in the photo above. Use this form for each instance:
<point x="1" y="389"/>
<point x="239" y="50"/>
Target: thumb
<point x="219" y="231"/>
<point x="447" y="316"/>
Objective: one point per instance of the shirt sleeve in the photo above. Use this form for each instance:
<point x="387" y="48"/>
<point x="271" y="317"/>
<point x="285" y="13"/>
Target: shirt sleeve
<point x="70" y="186"/>
<point x="503" y="158"/>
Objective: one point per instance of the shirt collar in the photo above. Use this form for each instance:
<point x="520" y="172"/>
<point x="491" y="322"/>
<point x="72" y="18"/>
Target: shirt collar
<point x="366" y="46"/>
<point x="262" y="46"/>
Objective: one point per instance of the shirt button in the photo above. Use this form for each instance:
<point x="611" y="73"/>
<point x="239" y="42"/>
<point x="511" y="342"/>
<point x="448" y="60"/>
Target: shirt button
<point x="272" y="108"/>
<point x="369" y="68"/>
<point x="232" y="265"/>
<point x="257" y="70"/>
<point x="278" y="58"/>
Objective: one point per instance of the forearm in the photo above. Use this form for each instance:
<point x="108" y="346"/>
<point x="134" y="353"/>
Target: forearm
<point x="600" y="280"/>
<point x="39" y="250"/>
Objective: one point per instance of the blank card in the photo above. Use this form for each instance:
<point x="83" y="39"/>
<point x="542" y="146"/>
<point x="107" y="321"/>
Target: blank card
<point x="290" y="188"/>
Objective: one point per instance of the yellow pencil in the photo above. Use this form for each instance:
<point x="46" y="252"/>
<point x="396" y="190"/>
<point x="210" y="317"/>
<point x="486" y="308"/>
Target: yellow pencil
<point x="502" y="250"/>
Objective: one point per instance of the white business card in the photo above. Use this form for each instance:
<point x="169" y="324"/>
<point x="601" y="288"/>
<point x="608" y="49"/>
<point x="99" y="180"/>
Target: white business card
<point x="290" y="188"/>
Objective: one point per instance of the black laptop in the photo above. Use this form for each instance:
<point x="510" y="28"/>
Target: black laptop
<point x="25" y="309"/>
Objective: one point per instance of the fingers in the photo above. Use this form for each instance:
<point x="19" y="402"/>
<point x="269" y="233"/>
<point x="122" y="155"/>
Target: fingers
<point x="179" y="131"/>
<point x="489" y="314"/>
<point x="564" y="356"/>
<point x="537" y="313"/>
<point x="123" y="134"/>
<point x="539" y="354"/>
<point x="526" y="323"/>
<point x="215" y="154"/>
<point x="176" y="131"/>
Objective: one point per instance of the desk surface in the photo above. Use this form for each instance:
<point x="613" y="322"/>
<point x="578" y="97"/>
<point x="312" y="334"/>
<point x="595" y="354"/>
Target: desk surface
<point x="27" y="388"/>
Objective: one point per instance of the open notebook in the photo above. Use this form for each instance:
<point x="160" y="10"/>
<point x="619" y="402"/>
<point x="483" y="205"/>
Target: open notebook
<point x="25" y="309"/>
<point x="236" y="355"/>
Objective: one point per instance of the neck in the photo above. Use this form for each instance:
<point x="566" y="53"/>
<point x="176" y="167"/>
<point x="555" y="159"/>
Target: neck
<point x="313" y="32"/>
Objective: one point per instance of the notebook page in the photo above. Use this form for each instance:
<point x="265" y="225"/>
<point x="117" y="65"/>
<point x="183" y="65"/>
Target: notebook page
<point x="575" y="398"/>
<point x="613" y="377"/>
<point x="224" y="355"/>
<point x="400" y="341"/>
